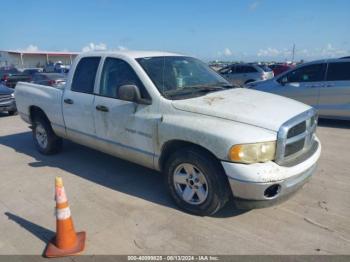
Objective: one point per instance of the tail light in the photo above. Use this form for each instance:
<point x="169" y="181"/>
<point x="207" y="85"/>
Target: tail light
<point x="5" y="77"/>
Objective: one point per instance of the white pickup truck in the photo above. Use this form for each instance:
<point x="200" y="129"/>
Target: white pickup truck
<point x="172" y="113"/>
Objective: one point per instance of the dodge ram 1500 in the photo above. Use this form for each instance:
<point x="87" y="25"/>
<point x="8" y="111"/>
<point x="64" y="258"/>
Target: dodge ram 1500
<point x="172" y="113"/>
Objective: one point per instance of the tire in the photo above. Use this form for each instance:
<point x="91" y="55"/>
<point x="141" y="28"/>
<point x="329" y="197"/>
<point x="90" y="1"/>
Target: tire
<point x="12" y="113"/>
<point x="214" y="189"/>
<point x="45" y="139"/>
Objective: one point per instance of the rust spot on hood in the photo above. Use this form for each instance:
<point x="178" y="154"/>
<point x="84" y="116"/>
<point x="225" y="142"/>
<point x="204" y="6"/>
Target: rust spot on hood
<point x="212" y="99"/>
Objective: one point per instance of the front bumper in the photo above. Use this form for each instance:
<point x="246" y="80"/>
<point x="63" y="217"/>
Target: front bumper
<point x="251" y="184"/>
<point x="8" y="106"/>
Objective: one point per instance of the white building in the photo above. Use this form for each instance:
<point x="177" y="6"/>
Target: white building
<point x="24" y="59"/>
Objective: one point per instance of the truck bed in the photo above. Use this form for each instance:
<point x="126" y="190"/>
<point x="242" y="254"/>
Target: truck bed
<point x="47" y="98"/>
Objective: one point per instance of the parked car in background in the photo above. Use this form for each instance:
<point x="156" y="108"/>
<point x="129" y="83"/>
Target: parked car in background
<point x="174" y="114"/>
<point x="280" y="68"/>
<point x="49" y="68"/>
<point x="7" y="100"/>
<point x="4" y="71"/>
<point x="241" y="74"/>
<point x="63" y="69"/>
<point x="10" y="77"/>
<point x="57" y="67"/>
<point x="323" y="84"/>
<point x="32" y="71"/>
<point x="49" y="79"/>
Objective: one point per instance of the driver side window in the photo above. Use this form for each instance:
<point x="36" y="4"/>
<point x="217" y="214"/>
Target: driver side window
<point x="310" y="73"/>
<point x="117" y="73"/>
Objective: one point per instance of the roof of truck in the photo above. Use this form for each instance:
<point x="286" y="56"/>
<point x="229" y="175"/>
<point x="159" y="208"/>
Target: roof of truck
<point x="131" y="53"/>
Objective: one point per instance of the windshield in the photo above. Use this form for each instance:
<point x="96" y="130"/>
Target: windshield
<point x="179" y="77"/>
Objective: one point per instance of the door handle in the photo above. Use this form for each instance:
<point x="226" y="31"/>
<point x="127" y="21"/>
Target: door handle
<point x="102" y="108"/>
<point x="68" y="101"/>
<point x="330" y="85"/>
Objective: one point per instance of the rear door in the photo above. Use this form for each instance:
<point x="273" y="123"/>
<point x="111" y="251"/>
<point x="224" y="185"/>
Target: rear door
<point x="335" y="95"/>
<point x="302" y="84"/>
<point x="78" y="102"/>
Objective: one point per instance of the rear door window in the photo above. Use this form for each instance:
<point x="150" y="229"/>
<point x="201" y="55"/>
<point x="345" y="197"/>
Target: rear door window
<point x="85" y="74"/>
<point x="338" y="71"/>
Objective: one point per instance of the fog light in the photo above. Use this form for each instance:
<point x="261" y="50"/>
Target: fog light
<point x="272" y="191"/>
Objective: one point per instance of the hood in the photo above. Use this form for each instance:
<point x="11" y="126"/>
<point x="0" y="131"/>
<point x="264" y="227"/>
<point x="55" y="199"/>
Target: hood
<point x="4" y="90"/>
<point x="251" y="107"/>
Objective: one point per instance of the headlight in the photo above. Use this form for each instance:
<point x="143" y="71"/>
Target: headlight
<point x="253" y="153"/>
<point x="13" y="95"/>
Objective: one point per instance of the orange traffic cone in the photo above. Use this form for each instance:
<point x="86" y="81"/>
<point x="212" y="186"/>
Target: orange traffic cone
<point x="66" y="242"/>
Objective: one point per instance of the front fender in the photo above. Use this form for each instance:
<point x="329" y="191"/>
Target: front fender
<point x="214" y="134"/>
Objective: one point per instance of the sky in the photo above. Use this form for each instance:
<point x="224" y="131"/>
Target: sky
<point x="248" y="30"/>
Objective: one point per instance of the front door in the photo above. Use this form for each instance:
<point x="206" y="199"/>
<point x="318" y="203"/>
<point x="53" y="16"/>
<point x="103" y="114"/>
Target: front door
<point x="124" y="128"/>
<point x="302" y="84"/>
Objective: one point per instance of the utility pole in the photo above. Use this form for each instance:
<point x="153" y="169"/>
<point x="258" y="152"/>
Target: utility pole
<point x="293" y="53"/>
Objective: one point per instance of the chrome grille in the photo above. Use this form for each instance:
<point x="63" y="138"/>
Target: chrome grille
<point x="5" y="98"/>
<point x="297" y="130"/>
<point x="296" y="137"/>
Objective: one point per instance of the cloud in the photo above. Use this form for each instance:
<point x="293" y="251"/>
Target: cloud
<point x="122" y="48"/>
<point x="119" y="48"/>
<point x="327" y="51"/>
<point x="94" y="47"/>
<point x="272" y="52"/>
<point x="31" y="48"/>
<point x="101" y="47"/>
<point x="226" y="52"/>
<point x="331" y="51"/>
<point x="254" y="5"/>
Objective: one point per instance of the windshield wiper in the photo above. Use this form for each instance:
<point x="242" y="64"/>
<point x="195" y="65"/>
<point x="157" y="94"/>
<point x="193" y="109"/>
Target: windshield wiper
<point x="201" y="88"/>
<point x="213" y="85"/>
<point x="192" y="90"/>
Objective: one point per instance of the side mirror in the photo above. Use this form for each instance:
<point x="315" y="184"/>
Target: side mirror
<point x="132" y="93"/>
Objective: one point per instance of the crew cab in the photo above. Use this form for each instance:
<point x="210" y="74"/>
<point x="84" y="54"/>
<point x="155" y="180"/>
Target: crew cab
<point x="174" y="114"/>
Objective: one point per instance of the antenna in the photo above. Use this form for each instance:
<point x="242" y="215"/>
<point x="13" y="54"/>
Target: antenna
<point x="293" y="53"/>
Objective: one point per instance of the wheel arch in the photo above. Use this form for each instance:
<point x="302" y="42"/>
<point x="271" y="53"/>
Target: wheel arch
<point x="172" y="146"/>
<point x="35" y="111"/>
